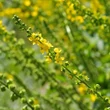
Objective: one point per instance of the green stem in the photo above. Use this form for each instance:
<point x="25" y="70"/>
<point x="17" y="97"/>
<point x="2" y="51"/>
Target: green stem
<point x="85" y="84"/>
<point x="14" y="91"/>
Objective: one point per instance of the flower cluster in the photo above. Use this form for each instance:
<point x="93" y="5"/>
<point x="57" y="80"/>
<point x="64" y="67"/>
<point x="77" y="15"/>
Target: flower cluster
<point x="36" y="38"/>
<point x="45" y="46"/>
<point x="10" y="11"/>
<point x="97" y="7"/>
<point x="22" y="11"/>
<point x="2" y="28"/>
<point x="72" y="13"/>
<point x="58" y="58"/>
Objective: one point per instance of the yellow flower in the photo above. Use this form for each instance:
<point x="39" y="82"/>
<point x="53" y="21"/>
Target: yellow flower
<point x="70" y="11"/>
<point x="93" y="97"/>
<point x="10" y="11"/>
<point x="75" y="71"/>
<point x="44" y="48"/>
<point x="44" y="45"/>
<point x="34" y="13"/>
<point x="48" y="59"/>
<point x="97" y="7"/>
<point x="0" y="23"/>
<point x="59" y="60"/>
<point x="71" y="6"/>
<point x="79" y="19"/>
<point x="68" y="3"/>
<point x="57" y="50"/>
<point x="27" y="2"/>
<point x="34" y="38"/>
<point x="60" y="0"/>
<point x="82" y="88"/>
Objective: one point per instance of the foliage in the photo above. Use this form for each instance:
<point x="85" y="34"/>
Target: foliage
<point x="57" y="56"/>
